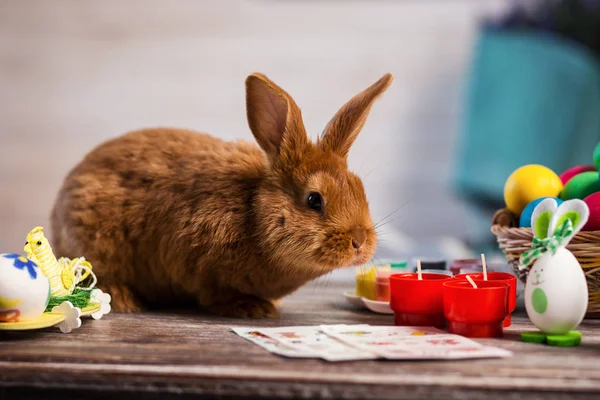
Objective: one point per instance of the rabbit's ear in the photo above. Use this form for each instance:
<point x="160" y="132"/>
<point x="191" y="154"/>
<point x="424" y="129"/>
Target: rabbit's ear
<point x="576" y="210"/>
<point x="344" y="127"/>
<point x="273" y="116"/>
<point x="542" y="217"/>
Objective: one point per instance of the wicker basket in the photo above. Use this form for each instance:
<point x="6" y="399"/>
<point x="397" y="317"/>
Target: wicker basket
<point x="585" y="246"/>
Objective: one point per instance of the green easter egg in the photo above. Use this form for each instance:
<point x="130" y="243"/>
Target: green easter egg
<point x="597" y="156"/>
<point x="581" y="186"/>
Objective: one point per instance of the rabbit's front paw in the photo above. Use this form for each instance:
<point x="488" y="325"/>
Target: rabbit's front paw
<point x="245" y="307"/>
<point x="123" y="300"/>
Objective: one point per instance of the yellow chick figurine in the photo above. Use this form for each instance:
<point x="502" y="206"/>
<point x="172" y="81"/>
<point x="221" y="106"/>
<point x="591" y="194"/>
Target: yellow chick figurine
<point x="64" y="274"/>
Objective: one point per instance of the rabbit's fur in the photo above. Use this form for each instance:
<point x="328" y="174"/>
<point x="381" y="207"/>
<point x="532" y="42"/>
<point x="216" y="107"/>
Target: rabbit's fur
<point x="168" y="216"/>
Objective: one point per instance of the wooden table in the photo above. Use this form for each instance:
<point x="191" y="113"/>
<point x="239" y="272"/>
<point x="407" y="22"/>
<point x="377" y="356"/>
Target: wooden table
<point x="164" y="356"/>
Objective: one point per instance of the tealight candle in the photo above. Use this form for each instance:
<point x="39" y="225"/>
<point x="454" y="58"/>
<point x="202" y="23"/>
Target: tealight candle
<point x="504" y="277"/>
<point x="475" y="312"/>
<point x="418" y="302"/>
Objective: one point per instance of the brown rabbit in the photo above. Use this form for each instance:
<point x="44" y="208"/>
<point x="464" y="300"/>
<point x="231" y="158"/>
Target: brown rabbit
<point x="168" y="216"/>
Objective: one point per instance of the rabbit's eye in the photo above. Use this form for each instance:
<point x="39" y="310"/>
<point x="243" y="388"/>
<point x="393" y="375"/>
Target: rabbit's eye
<point x="315" y="201"/>
<point x="39" y="243"/>
<point x="26" y="243"/>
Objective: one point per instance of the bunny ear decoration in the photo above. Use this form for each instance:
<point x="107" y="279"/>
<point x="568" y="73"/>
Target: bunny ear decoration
<point x="542" y="216"/>
<point x="575" y="210"/>
<point x="565" y="221"/>
<point x="543" y="240"/>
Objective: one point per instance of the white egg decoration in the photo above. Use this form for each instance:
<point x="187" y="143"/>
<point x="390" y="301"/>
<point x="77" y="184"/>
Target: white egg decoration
<point x="556" y="292"/>
<point x="24" y="290"/>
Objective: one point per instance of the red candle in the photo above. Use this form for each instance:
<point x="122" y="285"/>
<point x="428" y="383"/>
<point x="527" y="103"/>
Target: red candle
<point x="476" y="312"/>
<point x="418" y="302"/>
<point x="503" y="277"/>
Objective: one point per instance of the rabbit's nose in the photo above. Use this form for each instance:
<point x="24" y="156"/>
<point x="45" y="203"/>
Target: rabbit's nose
<point x="359" y="236"/>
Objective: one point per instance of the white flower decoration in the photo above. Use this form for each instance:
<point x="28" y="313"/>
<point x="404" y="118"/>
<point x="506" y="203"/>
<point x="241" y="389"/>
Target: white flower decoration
<point x="72" y="316"/>
<point x="98" y="296"/>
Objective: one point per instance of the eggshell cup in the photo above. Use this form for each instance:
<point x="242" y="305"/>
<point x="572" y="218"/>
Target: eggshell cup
<point x="418" y="302"/>
<point x="476" y="313"/>
<point x="503" y="277"/>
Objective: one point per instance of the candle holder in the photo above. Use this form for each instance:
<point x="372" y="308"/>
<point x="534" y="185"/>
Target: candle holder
<point x="418" y="302"/>
<point x="476" y="312"/>
<point x="503" y="277"/>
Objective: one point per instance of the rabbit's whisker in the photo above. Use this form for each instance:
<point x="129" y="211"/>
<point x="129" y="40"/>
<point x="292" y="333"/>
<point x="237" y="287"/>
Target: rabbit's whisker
<point x="378" y="223"/>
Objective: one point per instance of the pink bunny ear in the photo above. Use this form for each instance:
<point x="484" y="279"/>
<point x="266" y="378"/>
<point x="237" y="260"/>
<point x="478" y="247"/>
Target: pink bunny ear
<point x="576" y="210"/>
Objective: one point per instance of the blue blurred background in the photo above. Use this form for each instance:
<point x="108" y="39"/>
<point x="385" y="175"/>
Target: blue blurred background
<point x="73" y="74"/>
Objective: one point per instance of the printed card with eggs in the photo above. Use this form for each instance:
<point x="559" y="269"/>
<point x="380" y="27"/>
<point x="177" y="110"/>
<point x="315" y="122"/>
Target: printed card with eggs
<point x="304" y="342"/>
<point x="412" y="343"/>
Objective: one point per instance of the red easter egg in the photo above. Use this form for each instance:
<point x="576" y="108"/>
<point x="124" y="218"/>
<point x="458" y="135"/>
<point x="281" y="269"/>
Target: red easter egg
<point x="571" y="172"/>
<point x="593" y="203"/>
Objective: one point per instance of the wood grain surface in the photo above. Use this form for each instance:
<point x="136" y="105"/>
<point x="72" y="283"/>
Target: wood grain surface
<point x="167" y="355"/>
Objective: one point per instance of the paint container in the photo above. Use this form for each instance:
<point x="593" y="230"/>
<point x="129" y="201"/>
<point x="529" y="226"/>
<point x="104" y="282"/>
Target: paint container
<point x="365" y="282"/>
<point x="382" y="286"/>
<point x="464" y="263"/>
<point x="429" y="263"/>
<point x="436" y="271"/>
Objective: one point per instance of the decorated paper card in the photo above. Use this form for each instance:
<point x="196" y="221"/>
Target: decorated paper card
<point x="311" y="339"/>
<point x="270" y="344"/>
<point x="416" y="343"/>
<point x="304" y="342"/>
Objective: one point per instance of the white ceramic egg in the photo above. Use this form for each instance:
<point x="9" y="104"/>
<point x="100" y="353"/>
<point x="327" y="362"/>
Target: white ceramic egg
<point x="556" y="292"/>
<point x="24" y="290"/>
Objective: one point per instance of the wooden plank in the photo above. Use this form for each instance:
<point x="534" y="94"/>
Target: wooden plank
<point x="190" y="354"/>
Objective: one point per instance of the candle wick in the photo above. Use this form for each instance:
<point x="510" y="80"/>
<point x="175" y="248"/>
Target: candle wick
<point x="471" y="282"/>
<point x="484" y="267"/>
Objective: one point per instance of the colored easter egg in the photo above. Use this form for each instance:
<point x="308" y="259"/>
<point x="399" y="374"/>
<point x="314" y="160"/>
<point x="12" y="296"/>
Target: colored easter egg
<point x="597" y="156"/>
<point x="581" y="186"/>
<point x="593" y="203"/>
<point x="528" y="183"/>
<point x="525" y="220"/>
<point x="571" y="172"/>
<point x="24" y="290"/>
<point x="556" y="292"/>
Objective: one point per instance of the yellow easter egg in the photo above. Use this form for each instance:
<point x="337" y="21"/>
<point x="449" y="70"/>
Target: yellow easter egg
<point x="528" y="183"/>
